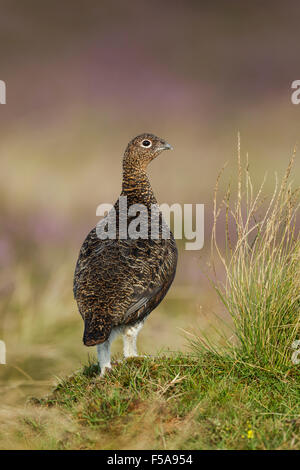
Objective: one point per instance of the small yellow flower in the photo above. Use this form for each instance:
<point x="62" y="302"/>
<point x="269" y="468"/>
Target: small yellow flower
<point x="250" y="434"/>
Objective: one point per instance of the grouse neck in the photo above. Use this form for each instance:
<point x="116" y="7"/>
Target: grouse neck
<point x="136" y="186"/>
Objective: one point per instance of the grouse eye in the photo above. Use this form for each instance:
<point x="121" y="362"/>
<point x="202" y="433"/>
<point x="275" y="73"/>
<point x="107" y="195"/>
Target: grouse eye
<point x="146" y="143"/>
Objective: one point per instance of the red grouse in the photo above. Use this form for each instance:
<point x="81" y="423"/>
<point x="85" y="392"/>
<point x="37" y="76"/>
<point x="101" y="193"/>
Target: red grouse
<point x="119" y="280"/>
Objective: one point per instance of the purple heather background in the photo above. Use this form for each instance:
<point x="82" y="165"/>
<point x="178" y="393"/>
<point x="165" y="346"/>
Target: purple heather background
<point x="84" y="77"/>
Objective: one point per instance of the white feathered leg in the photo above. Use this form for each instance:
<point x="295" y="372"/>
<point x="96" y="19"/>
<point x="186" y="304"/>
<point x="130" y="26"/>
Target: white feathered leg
<point x="103" y="352"/>
<point x="129" y="338"/>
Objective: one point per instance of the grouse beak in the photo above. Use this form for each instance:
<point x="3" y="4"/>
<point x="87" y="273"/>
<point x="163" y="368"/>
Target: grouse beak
<point x="166" y="146"/>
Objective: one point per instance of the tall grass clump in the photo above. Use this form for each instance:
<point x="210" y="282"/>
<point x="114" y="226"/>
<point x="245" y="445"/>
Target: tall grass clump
<point x="260" y="256"/>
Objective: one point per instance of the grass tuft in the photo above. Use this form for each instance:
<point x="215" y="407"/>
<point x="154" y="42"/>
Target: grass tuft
<point x="261" y="292"/>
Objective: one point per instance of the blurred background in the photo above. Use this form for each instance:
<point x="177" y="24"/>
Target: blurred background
<point x="83" y="78"/>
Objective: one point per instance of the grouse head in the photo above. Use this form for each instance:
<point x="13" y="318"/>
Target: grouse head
<point x="143" y="149"/>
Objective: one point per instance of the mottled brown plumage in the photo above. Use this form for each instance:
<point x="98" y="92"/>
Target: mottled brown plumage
<point x="119" y="282"/>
